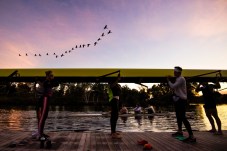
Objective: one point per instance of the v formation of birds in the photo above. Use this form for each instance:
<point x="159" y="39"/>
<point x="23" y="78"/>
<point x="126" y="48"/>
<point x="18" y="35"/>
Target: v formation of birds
<point x="57" y="55"/>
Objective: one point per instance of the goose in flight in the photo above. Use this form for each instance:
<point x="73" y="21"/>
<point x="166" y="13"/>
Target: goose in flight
<point x="109" y="32"/>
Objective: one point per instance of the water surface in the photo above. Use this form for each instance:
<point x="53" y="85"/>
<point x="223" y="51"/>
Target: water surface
<point x="87" y="119"/>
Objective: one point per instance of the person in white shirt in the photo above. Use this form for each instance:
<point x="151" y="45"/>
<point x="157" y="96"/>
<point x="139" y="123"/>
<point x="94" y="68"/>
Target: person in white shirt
<point x="180" y="103"/>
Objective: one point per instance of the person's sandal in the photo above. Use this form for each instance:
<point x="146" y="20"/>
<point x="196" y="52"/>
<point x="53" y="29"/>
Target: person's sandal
<point x="189" y="140"/>
<point x="212" y="131"/>
<point x="218" y="133"/>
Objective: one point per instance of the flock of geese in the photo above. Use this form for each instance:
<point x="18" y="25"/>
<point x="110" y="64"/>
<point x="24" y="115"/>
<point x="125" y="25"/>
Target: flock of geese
<point x="106" y="32"/>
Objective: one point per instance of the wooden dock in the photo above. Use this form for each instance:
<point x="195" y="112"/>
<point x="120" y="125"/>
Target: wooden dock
<point x="102" y="141"/>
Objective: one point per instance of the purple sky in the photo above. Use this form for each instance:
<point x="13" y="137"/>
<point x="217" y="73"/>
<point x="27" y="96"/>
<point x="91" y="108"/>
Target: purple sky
<point x="145" y="33"/>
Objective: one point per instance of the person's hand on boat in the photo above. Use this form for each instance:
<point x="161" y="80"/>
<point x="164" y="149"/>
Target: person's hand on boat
<point x="168" y="78"/>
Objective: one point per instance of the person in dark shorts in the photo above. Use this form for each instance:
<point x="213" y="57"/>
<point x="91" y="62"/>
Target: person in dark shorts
<point x="44" y="101"/>
<point x="114" y="92"/>
<point x="180" y="103"/>
<point x="210" y="104"/>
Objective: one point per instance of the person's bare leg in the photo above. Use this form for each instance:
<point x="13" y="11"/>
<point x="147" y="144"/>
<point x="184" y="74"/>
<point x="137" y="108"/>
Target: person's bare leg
<point x="211" y="120"/>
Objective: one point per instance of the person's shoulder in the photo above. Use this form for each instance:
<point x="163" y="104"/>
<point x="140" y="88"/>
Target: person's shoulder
<point x="181" y="78"/>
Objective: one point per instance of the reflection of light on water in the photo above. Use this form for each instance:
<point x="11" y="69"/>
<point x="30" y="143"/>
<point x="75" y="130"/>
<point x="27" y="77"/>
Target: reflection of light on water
<point x="61" y="118"/>
<point x="203" y="117"/>
<point x="15" y="120"/>
<point x="221" y="113"/>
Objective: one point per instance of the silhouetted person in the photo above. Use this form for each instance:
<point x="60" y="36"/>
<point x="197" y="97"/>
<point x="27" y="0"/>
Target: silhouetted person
<point x="114" y="92"/>
<point x="210" y="104"/>
<point x="180" y="103"/>
<point x="44" y="102"/>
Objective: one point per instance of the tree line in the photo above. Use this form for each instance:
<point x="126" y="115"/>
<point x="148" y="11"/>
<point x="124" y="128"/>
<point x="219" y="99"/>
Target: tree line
<point x="24" y="93"/>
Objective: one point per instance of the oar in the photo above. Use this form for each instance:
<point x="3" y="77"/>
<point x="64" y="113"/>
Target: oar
<point x="218" y="71"/>
<point x="15" y="73"/>
<point x="142" y="85"/>
<point x="105" y="75"/>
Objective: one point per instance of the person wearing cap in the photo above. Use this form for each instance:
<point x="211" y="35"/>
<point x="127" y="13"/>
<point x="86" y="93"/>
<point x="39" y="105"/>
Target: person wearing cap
<point x="210" y="104"/>
<point x="180" y="103"/>
<point x="114" y="92"/>
<point x="44" y="101"/>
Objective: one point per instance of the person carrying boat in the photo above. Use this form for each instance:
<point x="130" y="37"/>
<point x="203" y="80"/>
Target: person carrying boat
<point x="44" y="102"/>
<point x="180" y="103"/>
<point x="114" y="92"/>
<point x="210" y="104"/>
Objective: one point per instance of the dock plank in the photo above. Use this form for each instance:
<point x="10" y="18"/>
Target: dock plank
<point x="102" y="141"/>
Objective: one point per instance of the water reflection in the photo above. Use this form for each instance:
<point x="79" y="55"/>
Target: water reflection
<point x="14" y="119"/>
<point x="62" y="119"/>
<point x="124" y="119"/>
<point x="138" y="120"/>
<point x="204" y="122"/>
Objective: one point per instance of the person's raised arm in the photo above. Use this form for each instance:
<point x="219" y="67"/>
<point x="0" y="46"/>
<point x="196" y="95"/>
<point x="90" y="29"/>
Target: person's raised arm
<point x="117" y="80"/>
<point x="217" y="84"/>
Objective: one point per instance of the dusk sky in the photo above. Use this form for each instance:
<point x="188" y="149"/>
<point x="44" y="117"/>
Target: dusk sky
<point x="145" y="33"/>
